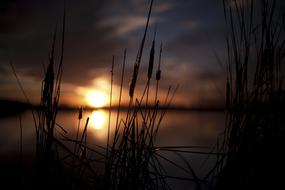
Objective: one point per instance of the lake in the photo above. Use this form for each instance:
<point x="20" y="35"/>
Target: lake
<point x="178" y="128"/>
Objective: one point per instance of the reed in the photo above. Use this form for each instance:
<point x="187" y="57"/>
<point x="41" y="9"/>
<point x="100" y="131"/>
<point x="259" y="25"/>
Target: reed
<point x="255" y="96"/>
<point x="131" y="159"/>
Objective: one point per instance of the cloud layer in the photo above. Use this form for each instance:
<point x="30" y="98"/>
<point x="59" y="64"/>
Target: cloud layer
<point x="96" y="30"/>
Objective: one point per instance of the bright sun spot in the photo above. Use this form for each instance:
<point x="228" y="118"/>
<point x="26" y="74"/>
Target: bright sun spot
<point x="96" y="99"/>
<point x="98" y="119"/>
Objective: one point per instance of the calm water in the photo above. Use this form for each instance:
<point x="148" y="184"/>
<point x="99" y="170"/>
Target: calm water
<point x="178" y="128"/>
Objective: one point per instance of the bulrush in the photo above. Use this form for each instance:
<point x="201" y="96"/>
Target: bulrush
<point x="139" y="56"/>
<point x="80" y="113"/>
<point x="48" y="84"/>
<point x="151" y="60"/>
<point x="49" y="77"/>
<point x="133" y="81"/>
<point x="158" y="72"/>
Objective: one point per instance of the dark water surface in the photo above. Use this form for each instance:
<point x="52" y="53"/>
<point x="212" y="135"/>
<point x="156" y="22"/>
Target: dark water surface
<point x="178" y="128"/>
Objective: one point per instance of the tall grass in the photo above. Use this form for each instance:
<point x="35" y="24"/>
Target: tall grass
<point x="255" y="95"/>
<point x="46" y="149"/>
<point x="131" y="158"/>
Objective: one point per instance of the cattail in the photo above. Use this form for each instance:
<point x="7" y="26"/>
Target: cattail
<point x="48" y="83"/>
<point x="157" y="103"/>
<point x="139" y="55"/>
<point x="80" y="113"/>
<point x="133" y="81"/>
<point x="151" y="60"/>
<point x="49" y="77"/>
<point x="158" y="72"/>
<point x="132" y="89"/>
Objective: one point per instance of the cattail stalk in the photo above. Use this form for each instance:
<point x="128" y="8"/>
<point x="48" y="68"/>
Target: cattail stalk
<point x="121" y="87"/>
<point x="110" y="107"/>
<point x="158" y="73"/>
<point x="149" y="73"/>
<point x="151" y="60"/>
<point x="139" y="55"/>
<point x="80" y="114"/>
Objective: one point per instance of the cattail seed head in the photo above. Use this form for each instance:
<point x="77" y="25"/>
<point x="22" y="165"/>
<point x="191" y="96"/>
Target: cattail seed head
<point x="151" y="60"/>
<point x="80" y="113"/>
<point x="132" y="89"/>
<point x="48" y="83"/>
<point x="133" y="81"/>
<point x="158" y="74"/>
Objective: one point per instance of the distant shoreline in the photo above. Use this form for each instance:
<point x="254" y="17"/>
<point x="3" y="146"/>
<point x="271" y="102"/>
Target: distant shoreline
<point x="13" y="107"/>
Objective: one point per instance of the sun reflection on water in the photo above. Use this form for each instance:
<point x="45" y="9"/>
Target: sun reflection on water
<point x="98" y="119"/>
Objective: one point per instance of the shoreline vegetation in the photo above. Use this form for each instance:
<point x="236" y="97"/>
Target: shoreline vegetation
<point x="130" y="158"/>
<point x="254" y="134"/>
<point x="249" y="154"/>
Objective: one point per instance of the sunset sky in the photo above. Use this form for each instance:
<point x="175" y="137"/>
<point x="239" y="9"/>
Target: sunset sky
<point x="191" y="32"/>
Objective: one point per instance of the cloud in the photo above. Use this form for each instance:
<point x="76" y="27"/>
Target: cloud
<point x="96" y="30"/>
<point x="163" y="7"/>
<point x="123" y="25"/>
<point x="26" y="38"/>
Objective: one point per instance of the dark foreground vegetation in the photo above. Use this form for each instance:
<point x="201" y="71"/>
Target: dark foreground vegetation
<point x="130" y="159"/>
<point x="249" y="155"/>
<point x="254" y="138"/>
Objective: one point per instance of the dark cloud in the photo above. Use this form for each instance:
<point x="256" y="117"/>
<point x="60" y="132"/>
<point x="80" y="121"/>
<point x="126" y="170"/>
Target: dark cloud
<point x="96" y="29"/>
<point x="25" y="37"/>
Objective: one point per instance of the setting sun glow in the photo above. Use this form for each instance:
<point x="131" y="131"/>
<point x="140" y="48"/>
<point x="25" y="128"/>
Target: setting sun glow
<point x="96" y="99"/>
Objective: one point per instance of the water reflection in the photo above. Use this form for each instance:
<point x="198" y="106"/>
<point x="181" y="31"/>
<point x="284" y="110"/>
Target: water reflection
<point x="98" y="126"/>
<point x="98" y="119"/>
<point x="177" y="129"/>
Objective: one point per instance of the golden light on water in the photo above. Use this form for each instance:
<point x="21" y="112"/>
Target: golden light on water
<point x="98" y="119"/>
<point x="96" y="99"/>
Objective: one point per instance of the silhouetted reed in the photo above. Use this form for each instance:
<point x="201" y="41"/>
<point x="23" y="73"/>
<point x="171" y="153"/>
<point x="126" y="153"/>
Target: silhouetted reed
<point x="254" y="134"/>
<point x="131" y="159"/>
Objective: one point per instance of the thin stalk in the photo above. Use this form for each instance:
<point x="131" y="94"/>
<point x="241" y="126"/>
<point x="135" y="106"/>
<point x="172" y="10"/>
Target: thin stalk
<point x="110" y="106"/>
<point x="23" y="91"/>
<point x="158" y="73"/>
<point x="119" y="104"/>
<point x="78" y="127"/>
<point x="121" y="87"/>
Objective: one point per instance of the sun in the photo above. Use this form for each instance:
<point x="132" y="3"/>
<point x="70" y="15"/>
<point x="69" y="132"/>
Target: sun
<point x="96" y="99"/>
